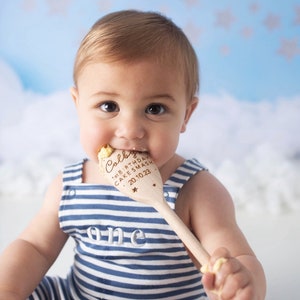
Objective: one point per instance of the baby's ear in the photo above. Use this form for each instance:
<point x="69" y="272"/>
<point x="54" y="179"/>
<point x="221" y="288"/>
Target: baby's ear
<point x="74" y="94"/>
<point x="189" y="111"/>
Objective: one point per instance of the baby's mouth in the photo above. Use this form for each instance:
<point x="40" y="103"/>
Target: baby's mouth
<point x="107" y="150"/>
<point x="141" y="150"/>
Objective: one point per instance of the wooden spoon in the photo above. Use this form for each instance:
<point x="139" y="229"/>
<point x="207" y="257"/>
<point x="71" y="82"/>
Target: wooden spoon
<point x="136" y="176"/>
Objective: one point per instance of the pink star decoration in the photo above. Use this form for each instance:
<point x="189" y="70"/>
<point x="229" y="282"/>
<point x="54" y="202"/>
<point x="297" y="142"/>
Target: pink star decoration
<point x="289" y="48"/>
<point x="29" y="5"/>
<point x="105" y="5"/>
<point x="191" y="2"/>
<point x="58" y="6"/>
<point x="272" y="22"/>
<point x="224" y="18"/>
<point x="247" y="32"/>
<point x="225" y="50"/>
<point x="193" y="31"/>
<point x="254" y="7"/>
<point x="297" y="18"/>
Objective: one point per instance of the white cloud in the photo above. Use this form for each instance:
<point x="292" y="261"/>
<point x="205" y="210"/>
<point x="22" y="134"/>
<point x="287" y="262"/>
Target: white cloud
<point x="253" y="148"/>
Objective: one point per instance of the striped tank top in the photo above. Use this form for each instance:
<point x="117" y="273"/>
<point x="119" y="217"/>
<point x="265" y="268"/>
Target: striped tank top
<point x="123" y="249"/>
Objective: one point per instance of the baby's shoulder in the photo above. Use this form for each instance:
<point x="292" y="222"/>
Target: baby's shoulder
<point x="203" y="189"/>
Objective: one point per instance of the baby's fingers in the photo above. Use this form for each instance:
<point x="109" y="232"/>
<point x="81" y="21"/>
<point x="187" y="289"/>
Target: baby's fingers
<point x="233" y="281"/>
<point x="233" y="286"/>
<point x="229" y="268"/>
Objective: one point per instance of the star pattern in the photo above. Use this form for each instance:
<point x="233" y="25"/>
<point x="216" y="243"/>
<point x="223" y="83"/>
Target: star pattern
<point x="224" y="19"/>
<point x="225" y="50"/>
<point x="191" y="2"/>
<point x="254" y="7"/>
<point x="104" y="5"/>
<point x="57" y="7"/>
<point x="193" y="32"/>
<point x="247" y="32"/>
<point x="289" y="48"/>
<point x="272" y="22"/>
<point x="297" y="18"/>
<point x="225" y="28"/>
<point x="29" y="5"/>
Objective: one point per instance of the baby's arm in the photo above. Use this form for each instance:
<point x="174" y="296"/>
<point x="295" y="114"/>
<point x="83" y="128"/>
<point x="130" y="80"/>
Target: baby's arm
<point x="26" y="260"/>
<point x="205" y="205"/>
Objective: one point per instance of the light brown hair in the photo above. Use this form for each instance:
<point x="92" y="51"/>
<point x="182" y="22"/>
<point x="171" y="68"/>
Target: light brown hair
<point x="132" y="35"/>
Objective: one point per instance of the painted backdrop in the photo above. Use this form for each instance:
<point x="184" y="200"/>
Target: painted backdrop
<point x="247" y="125"/>
<point x="248" y="48"/>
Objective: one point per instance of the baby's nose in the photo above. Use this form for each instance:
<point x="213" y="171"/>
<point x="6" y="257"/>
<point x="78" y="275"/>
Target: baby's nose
<point x="130" y="128"/>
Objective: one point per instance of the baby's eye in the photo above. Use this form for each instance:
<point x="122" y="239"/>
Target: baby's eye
<point x="155" y="109"/>
<point x="109" y="106"/>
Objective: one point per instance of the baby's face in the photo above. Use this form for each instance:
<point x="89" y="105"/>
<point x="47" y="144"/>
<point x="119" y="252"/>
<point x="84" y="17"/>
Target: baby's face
<point x="139" y="106"/>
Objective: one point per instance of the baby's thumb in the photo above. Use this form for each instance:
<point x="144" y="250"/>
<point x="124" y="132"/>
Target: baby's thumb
<point x="208" y="280"/>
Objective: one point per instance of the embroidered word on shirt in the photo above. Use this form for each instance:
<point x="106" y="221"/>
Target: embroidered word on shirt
<point x="115" y="236"/>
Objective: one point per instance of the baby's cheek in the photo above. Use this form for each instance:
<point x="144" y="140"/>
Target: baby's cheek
<point x="92" y="138"/>
<point x="163" y="149"/>
<point x="90" y="145"/>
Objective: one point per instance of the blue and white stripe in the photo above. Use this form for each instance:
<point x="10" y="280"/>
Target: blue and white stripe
<point x="125" y="249"/>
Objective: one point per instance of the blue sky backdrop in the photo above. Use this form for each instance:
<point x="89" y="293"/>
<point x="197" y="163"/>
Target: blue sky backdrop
<point x="250" y="48"/>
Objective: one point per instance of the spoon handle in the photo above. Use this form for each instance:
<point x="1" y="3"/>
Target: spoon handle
<point x="183" y="232"/>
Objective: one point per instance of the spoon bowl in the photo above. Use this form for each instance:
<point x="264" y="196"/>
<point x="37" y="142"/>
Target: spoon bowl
<point x="136" y="176"/>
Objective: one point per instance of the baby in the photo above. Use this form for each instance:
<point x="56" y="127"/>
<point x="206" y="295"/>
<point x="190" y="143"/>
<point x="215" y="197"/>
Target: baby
<point x="135" y="88"/>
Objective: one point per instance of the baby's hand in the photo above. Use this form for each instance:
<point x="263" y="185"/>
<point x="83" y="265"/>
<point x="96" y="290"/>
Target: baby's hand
<point x="226" y="278"/>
